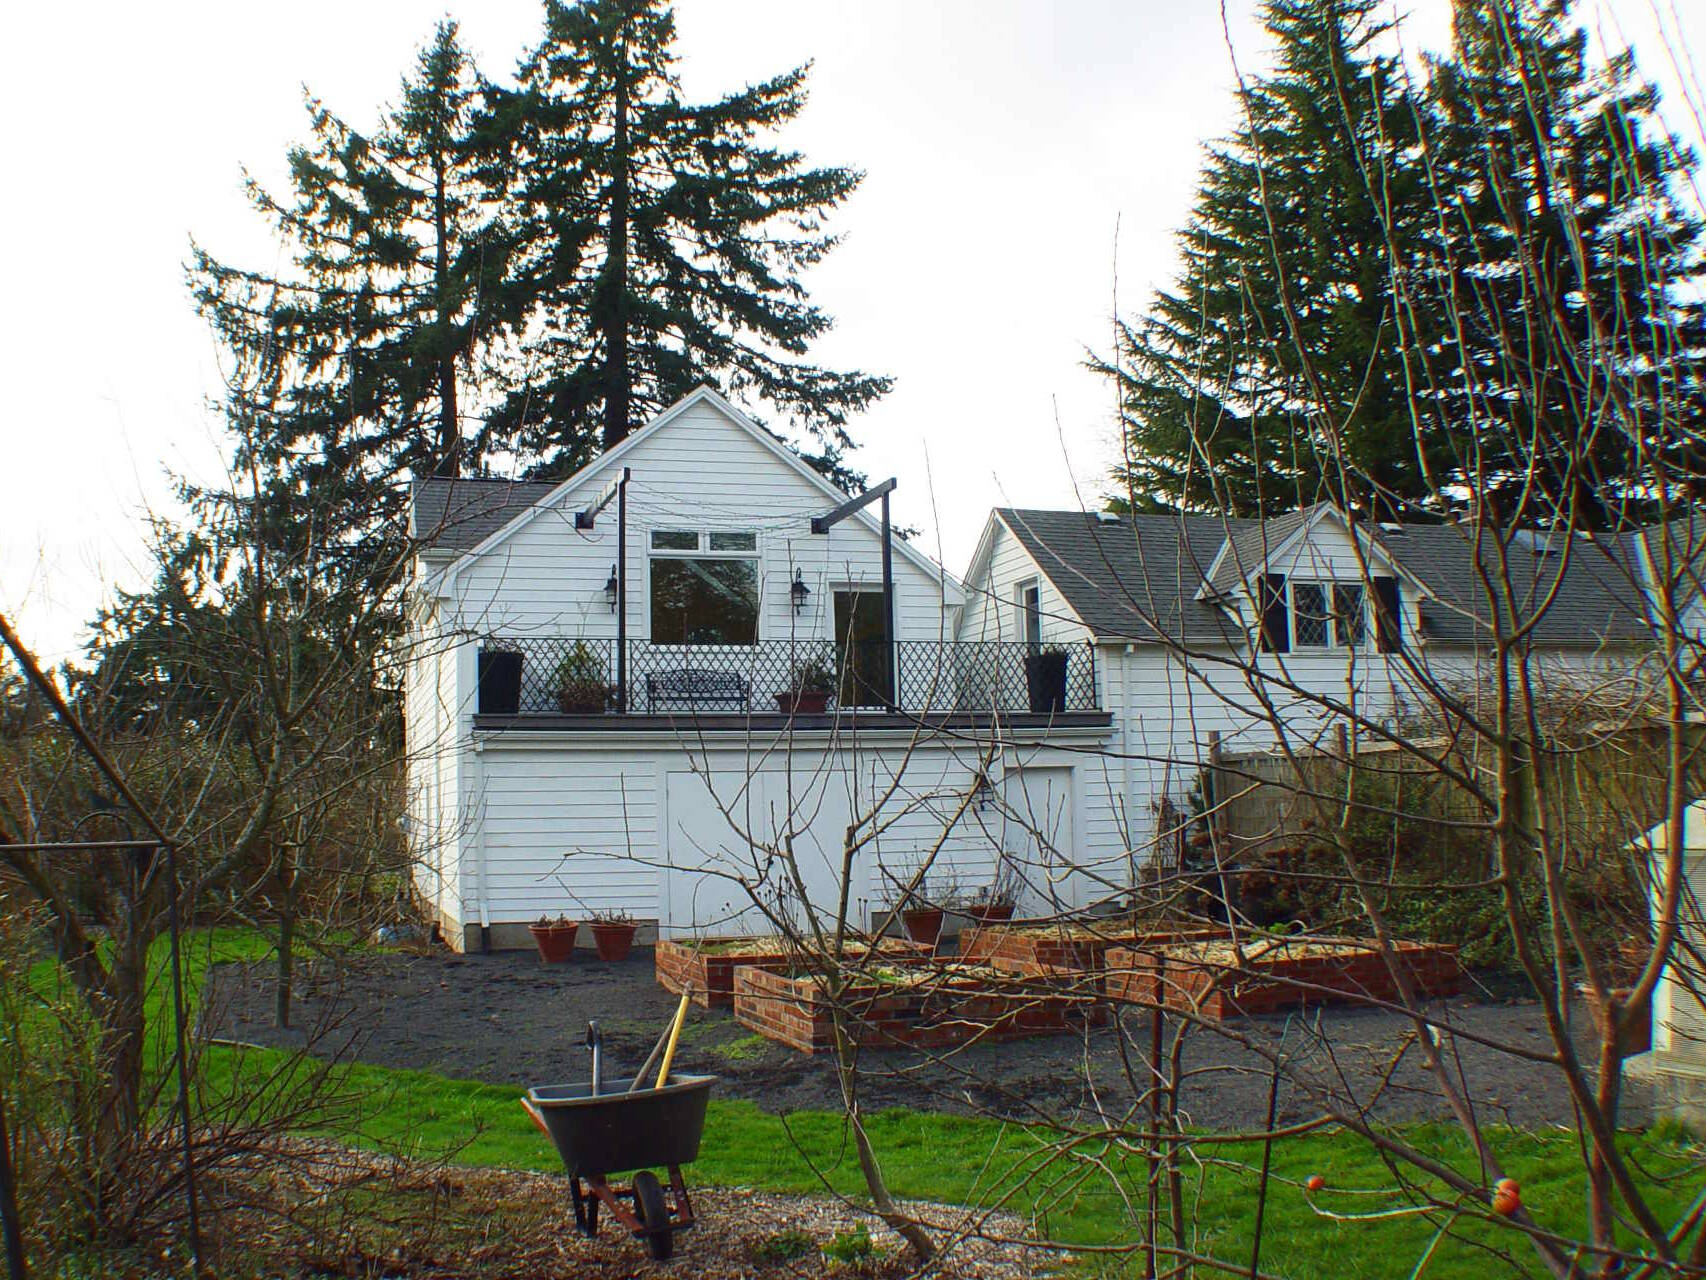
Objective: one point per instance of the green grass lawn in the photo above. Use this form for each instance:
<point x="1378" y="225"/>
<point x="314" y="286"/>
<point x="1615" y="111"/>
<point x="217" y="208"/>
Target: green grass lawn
<point x="1349" y="1228"/>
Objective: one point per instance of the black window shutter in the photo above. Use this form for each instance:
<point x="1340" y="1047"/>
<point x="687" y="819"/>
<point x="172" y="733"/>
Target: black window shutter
<point x="1274" y="633"/>
<point x="1388" y="620"/>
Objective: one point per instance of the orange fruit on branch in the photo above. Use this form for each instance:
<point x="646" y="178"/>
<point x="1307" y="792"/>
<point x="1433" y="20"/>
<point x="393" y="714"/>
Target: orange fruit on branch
<point x="1507" y="1197"/>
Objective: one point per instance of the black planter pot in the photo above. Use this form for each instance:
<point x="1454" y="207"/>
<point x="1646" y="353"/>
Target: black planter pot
<point x="499" y="675"/>
<point x="1045" y="681"/>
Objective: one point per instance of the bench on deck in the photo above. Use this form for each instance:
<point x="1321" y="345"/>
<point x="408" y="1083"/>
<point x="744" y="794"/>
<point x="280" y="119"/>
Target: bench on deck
<point x="698" y="689"/>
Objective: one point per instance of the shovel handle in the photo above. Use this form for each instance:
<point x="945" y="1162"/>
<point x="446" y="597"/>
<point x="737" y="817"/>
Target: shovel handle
<point x="674" y="1035"/>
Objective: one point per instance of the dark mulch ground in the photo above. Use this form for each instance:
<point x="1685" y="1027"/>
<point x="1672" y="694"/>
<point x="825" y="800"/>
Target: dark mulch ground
<point x="505" y="1018"/>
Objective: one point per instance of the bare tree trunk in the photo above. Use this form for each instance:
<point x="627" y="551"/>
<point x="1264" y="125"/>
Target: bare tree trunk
<point x="846" y="1069"/>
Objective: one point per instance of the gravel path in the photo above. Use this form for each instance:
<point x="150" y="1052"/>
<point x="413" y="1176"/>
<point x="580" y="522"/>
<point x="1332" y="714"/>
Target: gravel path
<point x="505" y="1018"/>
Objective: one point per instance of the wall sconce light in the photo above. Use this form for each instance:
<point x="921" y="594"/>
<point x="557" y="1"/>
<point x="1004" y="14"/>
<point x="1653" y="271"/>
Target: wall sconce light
<point x="799" y="593"/>
<point x="612" y="589"/>
<point x="982" y="792"/>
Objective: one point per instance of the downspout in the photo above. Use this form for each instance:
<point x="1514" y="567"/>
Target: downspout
<point x="481" y="887"/>
<point x="1125" y="656"/>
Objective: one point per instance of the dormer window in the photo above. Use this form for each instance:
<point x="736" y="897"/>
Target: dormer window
<point x="1350" y="615"/>
<point x="1324" y="615"/>
<point x="1328" y="615"/>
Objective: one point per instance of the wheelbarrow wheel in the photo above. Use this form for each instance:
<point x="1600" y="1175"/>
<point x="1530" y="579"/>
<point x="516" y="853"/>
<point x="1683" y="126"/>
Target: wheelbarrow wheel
<point x="654" y="1213"/>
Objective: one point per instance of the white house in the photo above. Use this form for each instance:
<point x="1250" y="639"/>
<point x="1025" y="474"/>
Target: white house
<point x="598" y="711"/>
<point x="598" y="708"/>
<point x="1207" y="629"/>
<point x="1675" y="1066"/>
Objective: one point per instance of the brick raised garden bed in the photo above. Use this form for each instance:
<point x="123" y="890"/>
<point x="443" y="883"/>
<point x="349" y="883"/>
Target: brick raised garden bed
<point x="1276" y="975"/>
<point x="709" y="963"/>
<point x="918" y="1006"/>
<point x="1066" y="951"/>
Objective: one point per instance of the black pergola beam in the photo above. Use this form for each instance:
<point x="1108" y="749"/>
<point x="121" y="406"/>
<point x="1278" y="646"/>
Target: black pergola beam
<point x="829" y="519"/>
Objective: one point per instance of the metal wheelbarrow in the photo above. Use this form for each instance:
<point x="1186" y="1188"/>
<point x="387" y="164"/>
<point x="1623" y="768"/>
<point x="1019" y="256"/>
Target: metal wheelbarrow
<point x="616" y="1131"/>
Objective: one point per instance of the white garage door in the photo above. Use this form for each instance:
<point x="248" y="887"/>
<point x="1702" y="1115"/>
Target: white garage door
<point x="1038" y="807"/>
<point x="721" y="832"/>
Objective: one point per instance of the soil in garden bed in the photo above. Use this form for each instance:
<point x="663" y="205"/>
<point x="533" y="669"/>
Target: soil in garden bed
<point x="507" y="1019"/>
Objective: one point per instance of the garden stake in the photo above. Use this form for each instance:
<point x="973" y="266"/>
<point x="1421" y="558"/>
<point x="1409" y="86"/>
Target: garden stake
<point x="1267" y="1156"/>
<point x="674" y="1035"/>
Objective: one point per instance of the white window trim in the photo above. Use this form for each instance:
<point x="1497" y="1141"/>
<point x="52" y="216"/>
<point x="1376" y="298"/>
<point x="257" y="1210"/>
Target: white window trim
<point x="1327" y="586"/>
<point x="1022" y="613"/>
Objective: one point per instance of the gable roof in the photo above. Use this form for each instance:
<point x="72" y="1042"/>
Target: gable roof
<point x="1673" y="555"/>
<point x="455" y="513"/>
<point x="496" y="518"/>
<point x="1132" y="576"/>
<point x="1251" y="543"/>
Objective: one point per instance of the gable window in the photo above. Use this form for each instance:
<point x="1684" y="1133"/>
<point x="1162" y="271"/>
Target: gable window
<point x="1350" y="615"/>
<point x="704" y="587"/>
<point x="1309" y="618"/>
<point x="1324" y="615"/>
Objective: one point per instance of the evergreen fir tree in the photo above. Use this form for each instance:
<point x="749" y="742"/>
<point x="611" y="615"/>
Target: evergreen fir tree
<point x="663" y="243"/>
<point x="396" y="289"/>
<point x="1316" y="199"/>
<point x="1575" y="270"/>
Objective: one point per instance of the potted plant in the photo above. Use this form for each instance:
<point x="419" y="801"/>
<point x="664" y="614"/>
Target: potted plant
<point x="921" y="912"/>
<point x="580" y="682"/>
<point x="613" y="933"/>
<point x="809" y="685"/>
<point x="554" y="938"/>
<point x="997" y="900"/>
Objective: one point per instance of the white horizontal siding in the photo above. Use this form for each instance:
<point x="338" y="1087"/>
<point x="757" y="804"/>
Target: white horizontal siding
<point x="701" y="472"/>
<point x="570" y="825"/>
<point x="992" y="610"/>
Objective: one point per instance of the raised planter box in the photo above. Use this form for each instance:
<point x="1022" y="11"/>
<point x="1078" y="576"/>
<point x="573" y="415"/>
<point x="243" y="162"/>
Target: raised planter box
<point x="1206" y="977"/>
<point x="710" y="963"/>
<point x="916" y="1006"/>
<point x="1062" y="950"/>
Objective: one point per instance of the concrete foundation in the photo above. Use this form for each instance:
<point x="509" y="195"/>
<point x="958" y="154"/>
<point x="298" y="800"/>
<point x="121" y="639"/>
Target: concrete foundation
<point x="514" y="937"/>
<point x="1678" y="1089"/>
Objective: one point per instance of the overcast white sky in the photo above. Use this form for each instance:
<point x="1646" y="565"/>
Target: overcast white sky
<point x="1004" y="141"/>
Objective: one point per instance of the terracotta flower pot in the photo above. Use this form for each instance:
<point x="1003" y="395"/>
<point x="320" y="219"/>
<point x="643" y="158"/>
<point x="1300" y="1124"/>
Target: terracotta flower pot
<point x="923" y="924"/>
<point x="556" y="942"/>
<point x="991" y="913"/>
<point x="803" y="702"/>
<point x="613" y="938"/>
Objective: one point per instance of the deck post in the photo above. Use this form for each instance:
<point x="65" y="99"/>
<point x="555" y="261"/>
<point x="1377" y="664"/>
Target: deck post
<point x="888" y="605"/>
<point x="622" y="593"/>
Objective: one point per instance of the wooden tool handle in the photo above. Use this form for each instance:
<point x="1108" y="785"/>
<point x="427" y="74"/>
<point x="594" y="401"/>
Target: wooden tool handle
<point x="674" y="1035"/>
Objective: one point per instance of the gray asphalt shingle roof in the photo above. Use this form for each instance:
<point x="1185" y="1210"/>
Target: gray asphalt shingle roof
<point x="1128" y="577"/>
<point x="459" y="514"/>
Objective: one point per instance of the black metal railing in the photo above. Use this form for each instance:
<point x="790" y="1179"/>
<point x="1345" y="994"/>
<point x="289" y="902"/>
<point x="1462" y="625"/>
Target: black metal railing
<point x="532" y="675"/>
